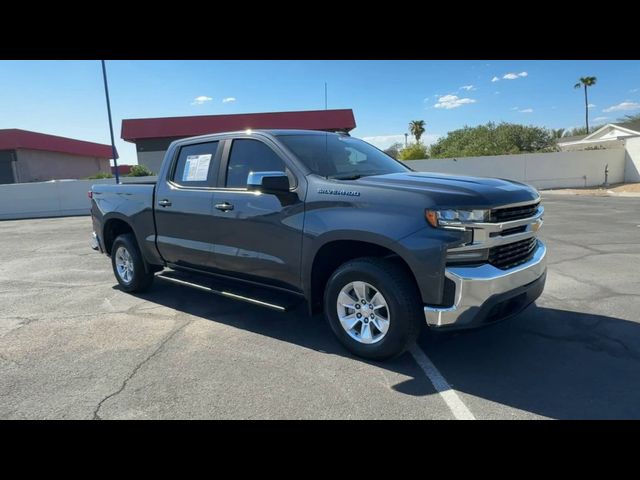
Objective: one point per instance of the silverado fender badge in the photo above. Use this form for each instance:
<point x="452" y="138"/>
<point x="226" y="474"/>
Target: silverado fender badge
<point x="330" y="191"/>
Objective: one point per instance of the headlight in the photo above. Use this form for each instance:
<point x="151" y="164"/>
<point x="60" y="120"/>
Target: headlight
<point x="450" y="217"/>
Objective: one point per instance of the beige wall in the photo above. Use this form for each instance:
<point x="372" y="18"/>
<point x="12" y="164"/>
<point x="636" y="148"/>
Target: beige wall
<point x="152" y="160"/>
<point x="632" y="160"/>
<point x="542" y="170"/>
<point x="39" y="166"/>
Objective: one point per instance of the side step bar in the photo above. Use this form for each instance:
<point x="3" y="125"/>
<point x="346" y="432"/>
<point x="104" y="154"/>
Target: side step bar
<point x="263" y="298"/>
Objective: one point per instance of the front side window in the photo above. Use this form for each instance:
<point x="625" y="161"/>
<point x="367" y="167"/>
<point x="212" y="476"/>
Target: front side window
<point x="196" y="165"/>
<point x="250" y="156"/>
<point x="335" y="156"/>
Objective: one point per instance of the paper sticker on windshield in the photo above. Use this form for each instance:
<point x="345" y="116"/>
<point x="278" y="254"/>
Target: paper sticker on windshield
<point x="196" y="168"/>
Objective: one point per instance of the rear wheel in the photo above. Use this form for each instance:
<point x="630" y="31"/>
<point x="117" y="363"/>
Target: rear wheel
<point x="374" y="307"/>
<point x="128" y="265"/>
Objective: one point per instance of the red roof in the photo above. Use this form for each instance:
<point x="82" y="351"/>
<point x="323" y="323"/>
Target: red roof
<point x="13" y="139"/>
<point x="172" y="127"/>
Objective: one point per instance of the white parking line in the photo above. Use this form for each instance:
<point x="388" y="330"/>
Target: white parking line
<point x="448" y="394"/>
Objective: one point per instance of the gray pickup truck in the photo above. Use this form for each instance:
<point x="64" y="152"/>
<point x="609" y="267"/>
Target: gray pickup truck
<point x="283" y="216"/>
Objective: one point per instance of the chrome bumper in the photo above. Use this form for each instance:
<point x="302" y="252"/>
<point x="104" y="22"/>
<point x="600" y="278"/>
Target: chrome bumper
<point x="480" y="292"/>
<point x="95" y="245"/>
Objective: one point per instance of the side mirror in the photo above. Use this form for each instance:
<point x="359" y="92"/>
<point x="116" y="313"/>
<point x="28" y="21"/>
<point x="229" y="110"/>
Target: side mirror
<point x="268" y="182"/>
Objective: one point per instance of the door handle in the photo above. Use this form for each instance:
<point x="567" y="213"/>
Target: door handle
<point x="164" y="203"/>
<point x="225" y="207"/>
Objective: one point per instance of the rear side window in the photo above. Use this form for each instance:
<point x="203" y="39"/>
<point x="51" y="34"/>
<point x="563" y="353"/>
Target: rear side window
<point x="197" y="165"/>
<point x="250" y="156"/>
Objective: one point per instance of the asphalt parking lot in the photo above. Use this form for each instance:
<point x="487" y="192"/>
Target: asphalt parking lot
<point x="72" y="345"/>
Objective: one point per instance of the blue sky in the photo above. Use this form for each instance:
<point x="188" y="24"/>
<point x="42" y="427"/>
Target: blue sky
<point x="67" y="98"/>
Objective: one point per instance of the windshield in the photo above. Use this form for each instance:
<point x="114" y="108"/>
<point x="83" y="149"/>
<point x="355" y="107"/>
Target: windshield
<point x="334" y="156"/>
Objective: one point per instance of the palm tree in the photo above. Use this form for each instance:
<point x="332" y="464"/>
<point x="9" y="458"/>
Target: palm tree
<point x="586" y="82"/>
<point x="416" y="127"/>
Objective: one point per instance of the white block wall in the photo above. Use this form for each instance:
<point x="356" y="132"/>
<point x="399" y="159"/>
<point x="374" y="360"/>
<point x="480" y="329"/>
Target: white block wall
<point x="50" y="199"/>
<point x="542" y="170"/>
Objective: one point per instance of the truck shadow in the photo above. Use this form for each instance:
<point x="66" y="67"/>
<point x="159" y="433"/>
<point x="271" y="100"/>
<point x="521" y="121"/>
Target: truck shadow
<point x="549" y="362"/>
<point x="555" y="363"/>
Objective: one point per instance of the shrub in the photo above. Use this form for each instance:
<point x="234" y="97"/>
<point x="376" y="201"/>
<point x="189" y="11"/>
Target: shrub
<point x="100" y="175"/>
<point x="140" y="171"/>
<point x="415" y="151"/>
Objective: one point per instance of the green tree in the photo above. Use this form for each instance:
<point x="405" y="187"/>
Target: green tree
<point x="559" y="133"/>
<point x="630" y="118"/>
<point x="415" y="151"/>
<point x="492" y="139"/>
<point x="394" y="150"/>
<point x="416" y="127"/>
<point x="140" y="171"/>
<point x="586" y="82"/>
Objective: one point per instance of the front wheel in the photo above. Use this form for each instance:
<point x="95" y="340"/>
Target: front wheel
<point x="128" y="265"/>
<point x="373" y="307"/>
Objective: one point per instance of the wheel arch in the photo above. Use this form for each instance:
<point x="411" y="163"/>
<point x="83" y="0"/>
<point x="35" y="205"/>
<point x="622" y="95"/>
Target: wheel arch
<point x="335" y="251"/>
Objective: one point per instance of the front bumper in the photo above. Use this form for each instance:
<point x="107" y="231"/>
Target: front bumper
<point x="484" y="293"/>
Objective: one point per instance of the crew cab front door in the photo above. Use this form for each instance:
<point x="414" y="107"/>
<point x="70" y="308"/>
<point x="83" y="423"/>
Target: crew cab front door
<point x="258" y="235"/>
<point x="184" y="203"/>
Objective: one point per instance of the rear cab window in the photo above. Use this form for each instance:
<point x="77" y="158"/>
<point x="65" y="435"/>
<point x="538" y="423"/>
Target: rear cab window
<point x="196" y="165"/>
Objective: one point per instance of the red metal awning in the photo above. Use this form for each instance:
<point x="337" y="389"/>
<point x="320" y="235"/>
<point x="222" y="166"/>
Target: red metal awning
<point x="172" y="127"/>
<point x="14" y="139"/>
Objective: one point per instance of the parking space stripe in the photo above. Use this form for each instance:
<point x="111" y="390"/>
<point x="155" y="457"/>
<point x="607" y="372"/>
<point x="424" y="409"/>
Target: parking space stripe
<point x="448" y="394"/>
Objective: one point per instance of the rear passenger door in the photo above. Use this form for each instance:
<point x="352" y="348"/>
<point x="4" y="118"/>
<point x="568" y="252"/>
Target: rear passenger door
<point x="184" y="203"/>
<point x="258" y="235"/>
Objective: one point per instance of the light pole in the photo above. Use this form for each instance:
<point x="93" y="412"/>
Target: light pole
<point x="405" y="139"/>
<point x="113" y="143"/>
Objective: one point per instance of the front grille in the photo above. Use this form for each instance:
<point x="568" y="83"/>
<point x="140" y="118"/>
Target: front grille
<point x="512" y="254"/>
<point x="509" y="231"/>
<point x="513" y="213"/>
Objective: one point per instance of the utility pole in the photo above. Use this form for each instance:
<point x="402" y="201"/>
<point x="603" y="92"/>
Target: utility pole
<point x="405" y="139"/>
<point x="325" y="95"/>
<point x="113" y="143"/>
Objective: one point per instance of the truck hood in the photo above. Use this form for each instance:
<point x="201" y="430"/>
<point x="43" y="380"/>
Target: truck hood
<point x="454" y="190"/>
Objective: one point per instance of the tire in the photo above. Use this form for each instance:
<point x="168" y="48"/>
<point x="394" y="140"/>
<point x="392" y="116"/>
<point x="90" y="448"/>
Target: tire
<point x="136" y="278"/>
<point x="403" y="307"/>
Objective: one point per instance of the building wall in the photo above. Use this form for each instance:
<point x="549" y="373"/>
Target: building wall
<point x="152" y="160"/>
<point x="632" y="160"/>
<point x="39" y="166"/>
<point x="7" y="174"/>
<point x="542" y="170"/>
<point x="151" y="151"/>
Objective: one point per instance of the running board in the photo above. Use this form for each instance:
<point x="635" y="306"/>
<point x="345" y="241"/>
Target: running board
<point x="263" y="298"/>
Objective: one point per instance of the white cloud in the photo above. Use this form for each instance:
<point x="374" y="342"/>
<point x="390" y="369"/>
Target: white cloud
<point x="495" y="79"/>
<point x="514" y="76"/>
<point x="452" y="101"/>
<point x="385" y="141"/>
<point x="622" y="106"/>
<point x="600" y="119"/>
<point x="496" y="93"/>
<point x="634" y="90"/>
<point x="468" y="88"/>
<point x="591" y="105"/>
<point x="514" y="108"/>
<point x="201" y="100"/>
<point x="229" y="100"/>
<point x="526" y="110"/>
